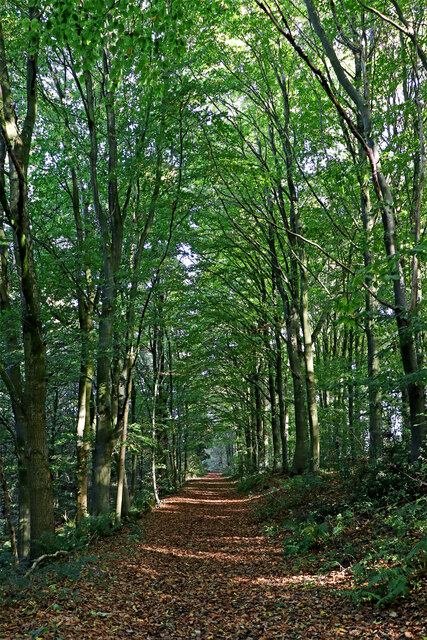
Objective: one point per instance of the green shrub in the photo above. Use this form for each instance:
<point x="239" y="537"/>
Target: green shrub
<point x="74" y="538"/>
<point x="272" y="506"/>
<point x="340" y="523"/>
<point x="380" y="583"/>
<point x="141" y="505"/>
<point x="399" y="561"/>
<point x="392" y="479"/>
<point x="257" y="482"/>
<point x="305" y="536"/>
<point x="12" y="577"/>
<point x="290" y="496"/>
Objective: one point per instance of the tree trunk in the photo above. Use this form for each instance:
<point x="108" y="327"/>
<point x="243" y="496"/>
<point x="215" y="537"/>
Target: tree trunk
<point x="16" y="208"/>
<point x="416" y="389"/>
<point x="174" y="456"/>
<point x="291" y="314"/>
<point x="283" y="410"/>
<point x="7" y="511"/>
<point x="259" y="409"/>
<point x="309" y="375"/>
<point x="121" y="471"/>
<point x="87" y="368"/>
<point x="274" y="422"/>
<point x="253" y="427"/>
<point x="299" y="463"/>
<point x="13" y="371"/>
<point x="111" y="245"/>
<point x="296" y="244"/>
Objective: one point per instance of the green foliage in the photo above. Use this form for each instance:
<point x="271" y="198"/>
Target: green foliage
<point x="137" y="533"/>
<point x="12" y="577"/>
<point x="213" y="106"/>
<point x="391" y="479"/>
<point x="388" y="573"/>
<point x="253" y="482"/>
<point x="305" y="536"/>
<point x="289" y="495"/>
<point x="375" y="530"/>
<point x="143" y="503"/>
<point x="382" y="583"/>
<point x="314" y="531"/>
<point x="398" y="561"/>
<point x="273" y="506"/>
<point x="341" y="522"/>
<point x="75" y="538"/>
<point x="91" y="526"/>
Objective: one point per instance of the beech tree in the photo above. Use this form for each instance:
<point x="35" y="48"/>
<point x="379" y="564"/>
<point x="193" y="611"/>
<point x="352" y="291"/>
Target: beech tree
<point x="356" y="40"/>
<point x="28" y="395"/>
<point x="211" y="234"/>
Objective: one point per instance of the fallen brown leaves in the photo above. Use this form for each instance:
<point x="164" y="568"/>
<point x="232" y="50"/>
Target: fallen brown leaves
<point x="202" y="570"/>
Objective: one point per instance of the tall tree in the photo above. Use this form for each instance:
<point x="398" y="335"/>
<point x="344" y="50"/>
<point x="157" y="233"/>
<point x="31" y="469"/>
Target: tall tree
<point x="30" y="402"/>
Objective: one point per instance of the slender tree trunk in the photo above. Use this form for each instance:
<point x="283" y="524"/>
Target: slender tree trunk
<point x="248" y="432"/>
<point x="83" y="437"/>
<point x="274" y="422"/>
<point x="265" y="437"/>
<point x="174" y="461"/>
<point x="13" y="371"/>
<point x="134" y="468"/>
<point x="371" y="305"/>
<point x="351" y="398"/>
<point x="7" y="511"/>
<point x="273" y="383"/>
<point x="403" y="314"/>
<point x="154" y="444"/>
<point x="87" y="367"/>
<point x="299" y="463"/>
<point x="291" y="314"/>
<point x="157" y="355"/>
<point x="185" y="443"/>
<point x="259" y="412"/>
<point x="111" y="241"/>
<point x="309" y="376"/>
<point x="134" y="458"/>
<point x="121" y="471"/>
<point x="253" y="428"/>
<point x="283" y="410"/>
<point x="271" y="394"/>
<point x="298" y="246"/>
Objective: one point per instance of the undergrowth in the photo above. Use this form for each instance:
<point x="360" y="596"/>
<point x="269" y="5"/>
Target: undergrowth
<point x="372" y="526"/>
<point x="253" y="482"/>
<point x="74" y="542"/>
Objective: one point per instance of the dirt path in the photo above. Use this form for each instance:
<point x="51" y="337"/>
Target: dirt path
<point x="197" y="567"/>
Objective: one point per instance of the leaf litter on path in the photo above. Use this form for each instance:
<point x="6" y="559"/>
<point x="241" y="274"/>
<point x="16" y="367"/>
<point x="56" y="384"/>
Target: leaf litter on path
<point x="202" y="569"/>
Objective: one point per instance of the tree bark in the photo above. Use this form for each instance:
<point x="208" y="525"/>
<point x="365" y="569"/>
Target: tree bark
<point x="86" y="304"/>
<point x="416" y="389"/>
<point x="259" y="413"/>
<point x="7" y="511"/>
<point x="13" y="371"/>
<point x="283" y="409"/>
<point x="121" y="472"/>
<point x="292" y="319"/>
<point x="111" y="245"/>
<point x="16" y="208"/>
<point x="296" y="228"/>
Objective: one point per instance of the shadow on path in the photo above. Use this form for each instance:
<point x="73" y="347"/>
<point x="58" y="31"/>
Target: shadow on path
<point x="202" y="569"/>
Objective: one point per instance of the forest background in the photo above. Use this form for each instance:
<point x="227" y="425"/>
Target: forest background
<point x="212" y="235"/>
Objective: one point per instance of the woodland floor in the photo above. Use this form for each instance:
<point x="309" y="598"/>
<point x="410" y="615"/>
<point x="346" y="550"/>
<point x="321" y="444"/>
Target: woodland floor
<point x="198" y="567"/>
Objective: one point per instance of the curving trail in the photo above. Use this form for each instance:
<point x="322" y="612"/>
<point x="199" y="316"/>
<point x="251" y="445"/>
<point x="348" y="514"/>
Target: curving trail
<point x="198" y="567"/>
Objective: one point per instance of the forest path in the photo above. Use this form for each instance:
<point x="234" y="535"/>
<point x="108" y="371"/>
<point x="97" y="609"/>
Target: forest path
<point x="197" y="567"/>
